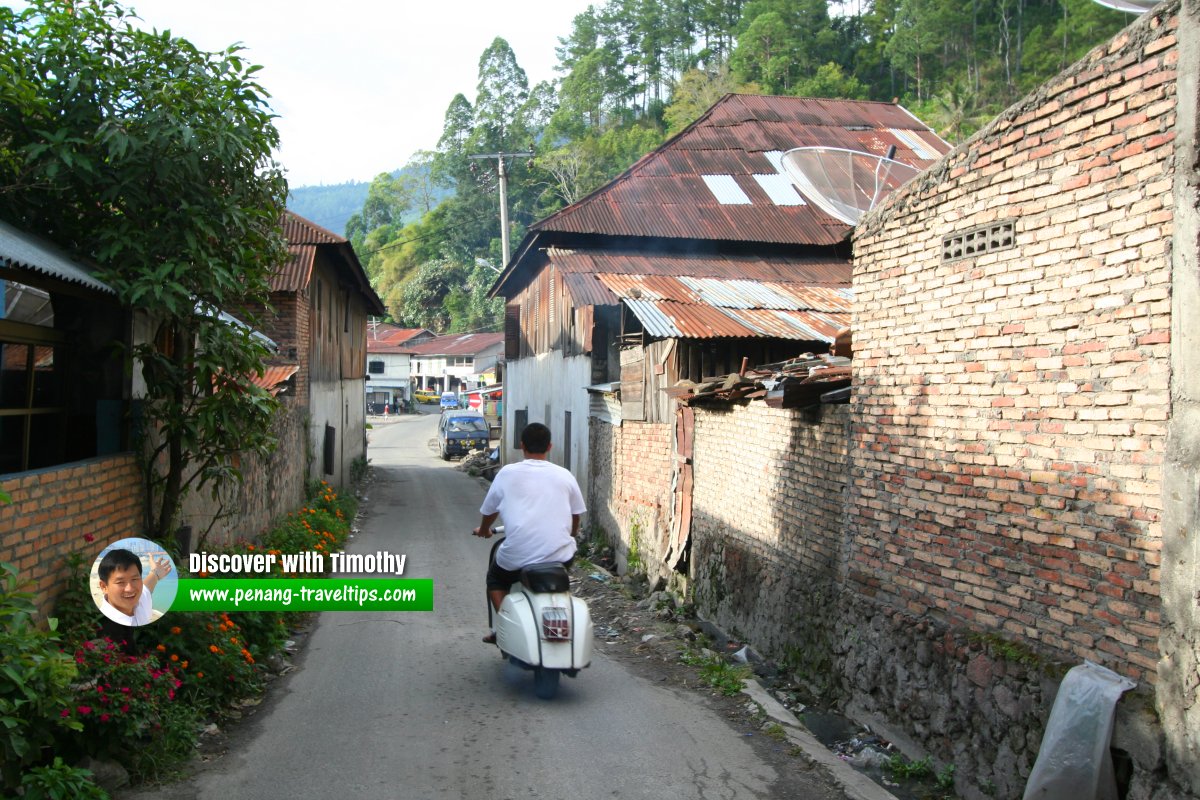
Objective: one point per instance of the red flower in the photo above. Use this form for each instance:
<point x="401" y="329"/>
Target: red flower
<point x="104" y="717"/>
<point x="84" y="709"/>
<point x="87" y="537"/>
<point x="125" y="708"/>
<point x="66" y="712"/>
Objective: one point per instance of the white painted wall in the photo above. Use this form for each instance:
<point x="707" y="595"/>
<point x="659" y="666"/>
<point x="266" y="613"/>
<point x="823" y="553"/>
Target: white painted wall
<point x="536" y="382"/>
<point x="395" y="376"/>
<point x="340" y="404"/>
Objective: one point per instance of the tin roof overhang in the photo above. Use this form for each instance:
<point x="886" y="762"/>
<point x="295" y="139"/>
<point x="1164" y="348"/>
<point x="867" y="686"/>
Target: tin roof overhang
<point x="20" y="250"/>
<point x="708" y="308"/>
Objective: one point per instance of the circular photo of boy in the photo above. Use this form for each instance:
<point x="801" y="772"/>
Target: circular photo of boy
<point x="133" y="581"/>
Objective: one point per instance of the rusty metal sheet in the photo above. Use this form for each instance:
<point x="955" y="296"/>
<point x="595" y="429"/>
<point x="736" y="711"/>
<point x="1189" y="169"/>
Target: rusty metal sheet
<point x="727" y="293"/>
<point x="679" y="320"/>
<point x="298" y="230"/>
<point x="810" y="270"/>
<point x="273" y="377"/>
<point x="296" y="272"/>
<point x="462" y="344"/>
<point x="665" y="194"/>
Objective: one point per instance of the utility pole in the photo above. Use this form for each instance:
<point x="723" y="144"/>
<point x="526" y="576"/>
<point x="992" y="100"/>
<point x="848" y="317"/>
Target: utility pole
<point x="504" y="196"/>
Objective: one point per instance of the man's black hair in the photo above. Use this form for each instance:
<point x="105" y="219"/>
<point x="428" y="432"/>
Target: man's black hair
<point x="535" y="438"/>
<point x="118" y="558"/>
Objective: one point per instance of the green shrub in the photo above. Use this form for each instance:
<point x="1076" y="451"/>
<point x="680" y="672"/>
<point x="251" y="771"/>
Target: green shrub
<point x="58" y="781"/>
<point x="35" y="683"/>
<point x="212" y="660"/>
<point x="128" y="709"/>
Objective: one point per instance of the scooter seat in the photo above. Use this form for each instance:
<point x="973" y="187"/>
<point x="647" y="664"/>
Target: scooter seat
<point x="549" y="577"/>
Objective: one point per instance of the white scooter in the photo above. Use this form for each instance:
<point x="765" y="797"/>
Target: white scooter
<point x="542" y="627"/>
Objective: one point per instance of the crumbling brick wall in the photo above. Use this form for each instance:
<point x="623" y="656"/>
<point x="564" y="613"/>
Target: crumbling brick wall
<point x="1012" y="366"/>
<point x="54" y="511"/>
<point x="272" y="486"/>
<point x="767" y="527"/>
<point x="630" y="491"/>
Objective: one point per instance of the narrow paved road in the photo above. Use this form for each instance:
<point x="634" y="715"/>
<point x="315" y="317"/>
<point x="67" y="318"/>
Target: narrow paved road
<point x="414" y="706"/>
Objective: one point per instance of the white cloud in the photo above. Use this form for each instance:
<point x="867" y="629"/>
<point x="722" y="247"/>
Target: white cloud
<point x="360" y="85"/>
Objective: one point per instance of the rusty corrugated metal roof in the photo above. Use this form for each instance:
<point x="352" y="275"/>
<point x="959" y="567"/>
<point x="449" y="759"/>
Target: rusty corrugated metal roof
<point x="463" y="344"/>
<point x="303" y="240"/>
<point x="273" y="377"/>
<point x="696" y="186"/>
<point x="678" y="320"/>
<point x="705" y="308"/>
<point x="384" y="334"/>
<point x="296" y="272"/>
<point x="298" y="230"/>
<point x="589" y="275"/>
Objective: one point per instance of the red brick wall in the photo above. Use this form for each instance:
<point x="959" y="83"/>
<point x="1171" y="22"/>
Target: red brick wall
<point x="1009" y="408"/>
<point x="287" y="324"/>
<point x="767" y="532"/>
<point x="630" y="485"/>
<point x="46" y="520"/>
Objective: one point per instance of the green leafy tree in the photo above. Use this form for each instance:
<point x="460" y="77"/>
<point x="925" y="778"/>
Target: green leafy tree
<point x="764" y="53"/>
<point x="153" y="158"/>
<point x="830" y="81"/>
<point x="423" y="298"/>
<point x="500" y="100"/>
<point x="696" y="92"/>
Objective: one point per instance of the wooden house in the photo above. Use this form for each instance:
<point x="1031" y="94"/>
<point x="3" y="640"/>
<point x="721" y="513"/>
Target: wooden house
<point x="699" y="256"/>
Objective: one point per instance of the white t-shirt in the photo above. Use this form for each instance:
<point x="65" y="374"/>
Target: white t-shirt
<point x="536" y="500"/>
<point x="141" y="612"/>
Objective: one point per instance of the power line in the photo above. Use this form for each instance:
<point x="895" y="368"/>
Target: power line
<point x="414" y="239"/>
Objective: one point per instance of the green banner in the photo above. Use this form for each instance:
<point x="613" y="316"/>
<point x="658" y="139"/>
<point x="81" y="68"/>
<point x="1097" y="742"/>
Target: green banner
<point x="304" y="594"/>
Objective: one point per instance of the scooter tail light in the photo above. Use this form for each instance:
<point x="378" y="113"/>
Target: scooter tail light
<point x="556" y="624"/>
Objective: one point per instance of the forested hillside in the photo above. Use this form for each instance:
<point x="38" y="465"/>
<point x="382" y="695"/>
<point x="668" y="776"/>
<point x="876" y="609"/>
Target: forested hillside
<point x="633" y="72"/>
<point x="328" y="206"/>
<point x="333" y="206"/>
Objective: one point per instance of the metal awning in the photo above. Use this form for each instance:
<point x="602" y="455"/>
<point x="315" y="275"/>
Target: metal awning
<point x="24" y="251"/>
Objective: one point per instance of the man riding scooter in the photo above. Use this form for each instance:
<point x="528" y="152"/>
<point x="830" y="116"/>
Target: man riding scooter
<point x="541" y="504"/>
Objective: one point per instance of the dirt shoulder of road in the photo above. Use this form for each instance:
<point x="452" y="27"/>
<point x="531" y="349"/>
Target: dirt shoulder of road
<point x="654" y="637"/>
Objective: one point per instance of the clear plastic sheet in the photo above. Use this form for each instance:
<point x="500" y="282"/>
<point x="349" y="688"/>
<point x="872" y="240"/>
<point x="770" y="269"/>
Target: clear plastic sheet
<point x="1073" y="762"/>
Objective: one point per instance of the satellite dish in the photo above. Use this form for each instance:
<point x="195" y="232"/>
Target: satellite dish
<point x="845" y="184"/>
<point x="1129" y="6"/>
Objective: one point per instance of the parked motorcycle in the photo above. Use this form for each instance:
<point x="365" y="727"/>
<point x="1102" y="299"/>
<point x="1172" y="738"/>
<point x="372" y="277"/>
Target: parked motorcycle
<point x="541" y="627"/>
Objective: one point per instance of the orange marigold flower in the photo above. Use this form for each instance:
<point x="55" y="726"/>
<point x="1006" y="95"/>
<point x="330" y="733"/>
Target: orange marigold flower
<point x="174" y="657"/>
<point x="213" y="648"/>
<point x="162" y="648"/>
<point x="199" y="674"/>
<point x="183" y="664"/>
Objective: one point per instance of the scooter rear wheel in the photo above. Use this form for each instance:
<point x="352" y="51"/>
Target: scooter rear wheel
<point x="545" y="683"/>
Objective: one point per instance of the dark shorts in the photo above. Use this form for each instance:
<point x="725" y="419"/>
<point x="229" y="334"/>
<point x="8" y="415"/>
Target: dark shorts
<point x="501" y="580"/>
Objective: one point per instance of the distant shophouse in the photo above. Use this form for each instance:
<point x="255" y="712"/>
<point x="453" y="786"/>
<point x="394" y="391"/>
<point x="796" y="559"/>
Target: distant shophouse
<point x="458" y="362"/>
<point x="389" y="365"/>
